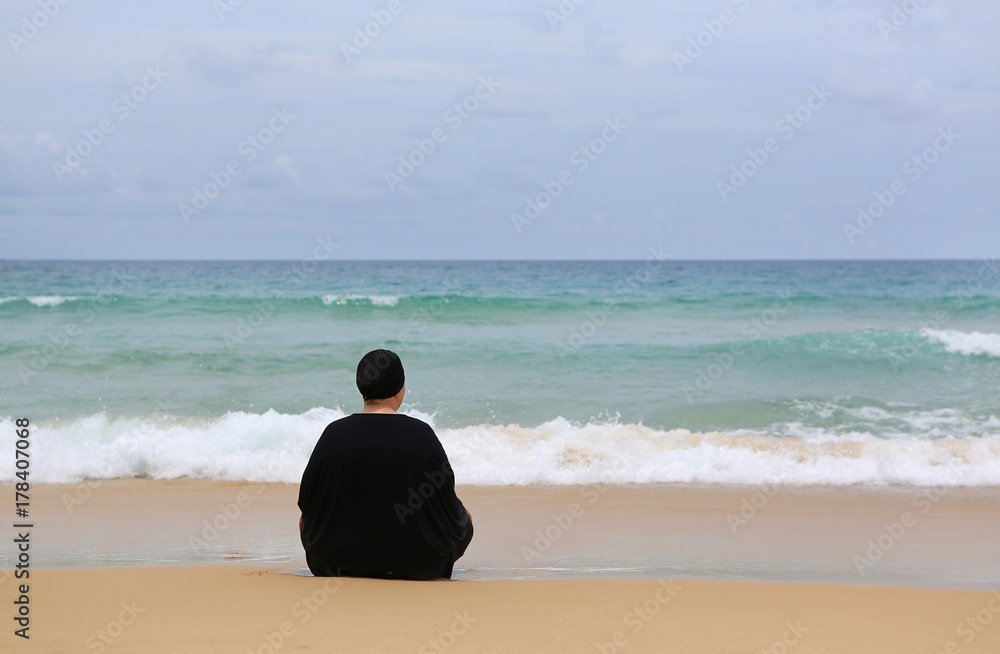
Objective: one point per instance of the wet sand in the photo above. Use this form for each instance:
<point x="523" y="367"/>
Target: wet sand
<point x="805" y="534"/>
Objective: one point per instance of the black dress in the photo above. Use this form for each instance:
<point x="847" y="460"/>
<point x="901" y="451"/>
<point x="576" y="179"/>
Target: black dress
<point x="378" y="500"/>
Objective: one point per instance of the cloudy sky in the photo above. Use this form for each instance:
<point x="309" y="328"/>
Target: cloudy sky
<point x="440" y="129"/>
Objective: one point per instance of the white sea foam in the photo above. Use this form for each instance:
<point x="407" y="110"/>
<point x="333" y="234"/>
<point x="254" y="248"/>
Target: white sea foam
<point x="963" y="343"/>
<point x="353" y="298"/>
<point x="275" y="447"/>
<point x="49" y="300"/>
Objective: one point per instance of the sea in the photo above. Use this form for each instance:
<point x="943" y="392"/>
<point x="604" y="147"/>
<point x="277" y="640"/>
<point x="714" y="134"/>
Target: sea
<point x="531" y="372"/>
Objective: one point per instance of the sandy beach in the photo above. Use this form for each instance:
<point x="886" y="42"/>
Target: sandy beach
<point x="202" y="566"/>
<point x="238" y="608"/>
<point x="693" y="307"/>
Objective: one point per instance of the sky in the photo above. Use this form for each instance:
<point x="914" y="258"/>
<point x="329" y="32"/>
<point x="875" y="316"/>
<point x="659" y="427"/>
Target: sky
<point x="522" y="129"/>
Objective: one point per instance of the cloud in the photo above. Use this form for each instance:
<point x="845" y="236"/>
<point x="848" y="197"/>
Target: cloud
<point x="25" y="163"/>
<point x="889" y="93"/>
<point x="602" y="46"/>
<point x="283" y="164"/>
<point x="230" y="68"/>
<point x="558" y="84"/>
<point x="4" y="139"/>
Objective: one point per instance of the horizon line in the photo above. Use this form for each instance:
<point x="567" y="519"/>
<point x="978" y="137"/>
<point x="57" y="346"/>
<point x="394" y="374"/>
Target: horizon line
<point x="332" y="260"/>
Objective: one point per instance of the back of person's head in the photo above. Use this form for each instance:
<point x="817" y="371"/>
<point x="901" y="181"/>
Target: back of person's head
<point x="380" y="375"/>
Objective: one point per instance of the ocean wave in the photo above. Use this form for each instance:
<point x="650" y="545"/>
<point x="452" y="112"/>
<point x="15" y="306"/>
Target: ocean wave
<point x="41" y="300"/>
<point x="965" y="343"/>
<point x="868" y="344"/>
<point x="353" y="298"/>
<point x="738" y="307"/>
<point x="275" y="447"/>
<point x="50" y="300"/>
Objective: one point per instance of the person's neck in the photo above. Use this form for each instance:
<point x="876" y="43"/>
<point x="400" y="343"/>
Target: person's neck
<point x="378" y="406"/>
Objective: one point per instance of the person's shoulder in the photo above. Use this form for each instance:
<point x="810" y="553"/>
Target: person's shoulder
<point x="400" y="421"/>
<point x="366" y="420"/>
<point x="340" y="422"/>
<point x="404" y="423"/>
<point x="416" y="424"/>
<point x="401" y="417"/>
<point x="342" y="428"/>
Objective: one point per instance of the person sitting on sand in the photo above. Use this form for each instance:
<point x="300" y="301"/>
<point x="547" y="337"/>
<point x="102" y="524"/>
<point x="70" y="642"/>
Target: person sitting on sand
<point x="378" y="494"/>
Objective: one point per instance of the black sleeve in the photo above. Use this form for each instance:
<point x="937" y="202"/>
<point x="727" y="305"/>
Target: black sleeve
<point x="458" y="516"/>
<point x="310" y="478"/>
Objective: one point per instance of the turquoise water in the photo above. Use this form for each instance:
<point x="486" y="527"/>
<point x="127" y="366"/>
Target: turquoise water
<point x="554" y="372"/>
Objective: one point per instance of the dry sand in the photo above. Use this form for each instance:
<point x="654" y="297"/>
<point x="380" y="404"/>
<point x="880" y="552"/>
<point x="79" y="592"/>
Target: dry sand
<point x="238" y="608"/>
